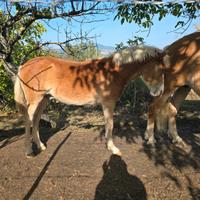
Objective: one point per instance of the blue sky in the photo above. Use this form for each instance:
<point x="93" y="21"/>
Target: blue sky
<point x="110" y="32"/>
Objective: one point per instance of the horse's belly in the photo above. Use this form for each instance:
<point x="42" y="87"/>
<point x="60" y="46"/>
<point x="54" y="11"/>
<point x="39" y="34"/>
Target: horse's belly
<point x="77" y="101"/>
<point x="75" y="98"/>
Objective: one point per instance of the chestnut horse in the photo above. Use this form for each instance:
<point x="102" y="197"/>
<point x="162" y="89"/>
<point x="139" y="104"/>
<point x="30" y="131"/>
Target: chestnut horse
<point x="88" y="82"/>
<point x="182" y="75"/>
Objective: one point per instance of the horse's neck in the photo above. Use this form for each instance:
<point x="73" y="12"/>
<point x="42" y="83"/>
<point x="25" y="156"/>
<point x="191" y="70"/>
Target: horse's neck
<point x="130" y="71"/>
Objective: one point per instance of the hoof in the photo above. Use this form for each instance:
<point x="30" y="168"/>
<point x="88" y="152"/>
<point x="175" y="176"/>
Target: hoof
<point x="111" y="147"/>
<point x="179" y="142"/>
<point x="30" y="155"/>
<point x="151" y="141"/>
<point x="182" y="145"/>
<point x="176" y="139"/>
<point x="146" y="136"/>
<point x="151" y="145"/>
<point x="42" y="148"/>
<point x="118" y="153"/>
<point x="115" y="151"/>
<point x="29" y="152"/>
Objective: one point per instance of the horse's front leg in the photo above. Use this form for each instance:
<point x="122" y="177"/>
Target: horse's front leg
<point x="35" y="129"/>
<point x="149" y="133"/>
<point x="28" y="137"/>
<point x="156" y="117"/>
<point x="108" y="109"/>
<point x="172" y="129"/>
<point x="177" y="99"/>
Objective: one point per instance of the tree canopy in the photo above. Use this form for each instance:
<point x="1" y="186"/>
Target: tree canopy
<point x="143" y="12"/>
<point x="21" y="28"/>
<point x="17" y="17"/>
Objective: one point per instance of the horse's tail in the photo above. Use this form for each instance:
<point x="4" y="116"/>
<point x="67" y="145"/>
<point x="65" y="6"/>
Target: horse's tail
<point x="19" y="96"/>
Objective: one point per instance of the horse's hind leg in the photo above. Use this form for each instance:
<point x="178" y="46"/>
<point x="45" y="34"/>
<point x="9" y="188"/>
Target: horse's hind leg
<point x="174" y="106"/>
<point x="149" y="133"/>
<point x="36" y="120"/>
<point x="28" y="137"/>
<point x="28" y="130"/>
<point x="179" y="96"/>
<point x="108" y="109"/>
<point x="31" y="113"/>
<point x="157" y="116"/>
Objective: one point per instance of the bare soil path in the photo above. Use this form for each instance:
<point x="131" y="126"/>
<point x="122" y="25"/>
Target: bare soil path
<point x="77" y="166"/>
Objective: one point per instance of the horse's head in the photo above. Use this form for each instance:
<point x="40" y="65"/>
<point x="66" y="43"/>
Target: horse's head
<point x="153" y="74"/>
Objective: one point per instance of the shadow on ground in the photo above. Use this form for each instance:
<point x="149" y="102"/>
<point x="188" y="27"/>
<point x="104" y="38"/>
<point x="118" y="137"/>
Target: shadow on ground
<point x="118" y="184"/>
<point x="16" y="132"/>
<point x="131" y="126"/>
<point x="188" y="125"/>
<point x="45" y="168"/>
<point x="177" y="165"/>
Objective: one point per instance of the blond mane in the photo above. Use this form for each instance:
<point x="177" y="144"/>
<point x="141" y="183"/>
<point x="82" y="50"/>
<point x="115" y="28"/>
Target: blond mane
<point x="135" y="54"/>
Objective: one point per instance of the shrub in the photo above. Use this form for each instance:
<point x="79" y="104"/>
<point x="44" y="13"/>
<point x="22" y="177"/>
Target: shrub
<point x="135" y="96"/>
<point x="6" y="89"/>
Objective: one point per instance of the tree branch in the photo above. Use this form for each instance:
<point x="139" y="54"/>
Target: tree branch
<point x="10" y="69"/>
<point x="21" y="32"/>
<point x="13" y="25"/>
<point x="39" y="46"/>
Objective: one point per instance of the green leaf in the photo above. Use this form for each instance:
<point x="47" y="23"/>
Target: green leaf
<point x="122" y="20"/>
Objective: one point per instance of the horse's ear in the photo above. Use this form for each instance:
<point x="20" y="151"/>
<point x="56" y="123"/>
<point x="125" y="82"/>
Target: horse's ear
<point x="164" y="57"/>
<point x="166" y="61"/>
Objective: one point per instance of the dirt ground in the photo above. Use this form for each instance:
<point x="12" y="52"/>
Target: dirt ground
<point x="77" y="166"/>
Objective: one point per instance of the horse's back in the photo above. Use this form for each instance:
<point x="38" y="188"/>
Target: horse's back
<point x="39" y="71"/>
<point x="187" y="45"/>
<point x="185" y="60"/>
<point x="68" y="81"/>
<point x="185" y="52"/>
<point x="47" y="67"/>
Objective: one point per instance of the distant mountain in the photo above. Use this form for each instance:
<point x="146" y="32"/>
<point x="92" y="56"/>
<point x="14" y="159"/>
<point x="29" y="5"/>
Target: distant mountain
<point x="105" y="50"/>
<point x="101" y="46"/>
